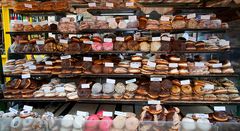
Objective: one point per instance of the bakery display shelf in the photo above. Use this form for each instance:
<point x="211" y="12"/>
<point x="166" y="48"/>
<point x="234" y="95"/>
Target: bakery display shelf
<point x="197" y="51"/>
<point x="200" y="10"/>
<point x="44" y="13"/>
<point x="191" y="102"/>
<point x="29" y="32"/>
<point x="175" y="31"/>
<point x="35" y="99"/>
<point x="32" y="75"/>
<point x="208" y="75"/>
<point x="89" y="31"/>
<point x="165" y="4"/>
<point x="114" y="11"/>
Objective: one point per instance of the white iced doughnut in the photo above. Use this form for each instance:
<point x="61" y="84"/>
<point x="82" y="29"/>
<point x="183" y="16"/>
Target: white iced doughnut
<point x="67" y="121"/>
<point x="27" y="122"/>
<point x="16" y="124"/>
<point x="203" y="124"/>
<point x="188" y="124"/>
<point x="78" y="122"/>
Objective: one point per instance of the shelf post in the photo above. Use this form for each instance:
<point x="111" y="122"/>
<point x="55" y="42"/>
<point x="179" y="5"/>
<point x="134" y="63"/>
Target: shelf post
<point x="6" y="28"/>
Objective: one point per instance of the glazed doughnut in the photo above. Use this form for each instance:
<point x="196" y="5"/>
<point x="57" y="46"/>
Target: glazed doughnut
<point x="27" y="122"/>
<point x="16" y="124"/>
<point x="132" y="123"/>
<point x="186" y="89"/>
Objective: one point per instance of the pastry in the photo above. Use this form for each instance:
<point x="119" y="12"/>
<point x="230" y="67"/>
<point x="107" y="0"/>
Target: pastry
<point x="186" y="90"/>
<point x="120" y="88"/>
<point x="155" y="46"/>
<point x="174" y="59"/>
<point x="220" y="116"/>
<point x="188" y="124"/>
<point x="107" y="70"/>
<point x="119" y="122"/>
<point x="120" y="70"/>
<point x="162" y="61"/>
<point x="223" y="97"/>
<point x="96" y="69"/>
<point x="131" y="87"/>
<point x="198" y="90"/>
<point x="162" y="67"/>
<point x="220" y="90"/>
<point x="204" y="124"/>
<point x="136" y="58"/>
<point x="105" y="123"/>
<point x="108" y="88"/>
<point x="131" y="123"/>
<point x="228" y="71"/>
<point x="134" y="70"/>
<point x="175" y="90"/>
<point x="67" y="121"/>
<point x="174" y="72"/>
<point x="78" y="122"/>
<point x="144" y="46"/>
<point x="209" y="97"/>
<point x="198" y="98"/>
<point x="97" y="88"/>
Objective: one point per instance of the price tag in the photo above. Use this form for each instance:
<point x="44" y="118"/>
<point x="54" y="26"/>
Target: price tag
<point x="156" y="38"/>
<point x="121" y="56"/>
<point x="139" y="54"/>
<point x="132" y="18"/>
<point x="92" y="4"/>
<point x="135" y="64"/>
<point x="202" y="116"/>
<point x="88" y="42"/>
<point x="72" y="35"/>
<point x="208" y="87"/>
<point x="63" y="41"/>
<point x="147" y="16"/>
<point x="26" y="76"/>
<point x="28" y="5"/>
<point x="107" y="39"/>
<point x="156" y="79"/>
<point x="65" y="57"/>
<point x="190" y="16"/>
<point x="48" y="63"/>
<point x="85" y="86"/>
<point x="46" y="90"/>
<point x="13" y="110"/>
<point x="27" y="108"/>
<point x="129" y="4"/>
<point x="107" y="113"/>
<point x="151" y="64"/>
<point x="185" y="82"/>
<point x="60" y="89"/>
<point x="108" y="64"/>
<point x="112" y="81"/>
<point x="173" y="65"/>
<point x="101" y="18"/>
<point x="40" y="42"/>
<point x="120" y="39"/>
<point x="165" y="18"/>
<point x="199" y="64"/>
<point x="82" y="113"/>
<point x="87" y="58"/>
<point x="219" y="108"/>
<point x="192" y="39"/>
<point x="224" y="42"/>
<point x="131" y="81"/>
<point x="217" y="65"/>
<point x="119" y="113"/>
<point x="109" y="4"/>
<point x="165" y="38"/>
<point x="154" y="102"/>
<point x="205" y="17"/>
<point x="32" y="67"/>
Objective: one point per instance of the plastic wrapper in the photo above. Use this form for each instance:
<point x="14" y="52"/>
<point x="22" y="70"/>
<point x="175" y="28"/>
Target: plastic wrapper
<point x="17" y="26"/>
<point x="67" y="25"/>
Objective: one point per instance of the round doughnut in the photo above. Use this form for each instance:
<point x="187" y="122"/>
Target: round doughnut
<point x="16" y="124"/>
<point x="27" y="122"/>
<point x="97" y="88"/>
<point x="78" y="122"/>
<point x="132" y="123"/>
<point x="37" y="124"/>
<point x="67" y="121"/>
<point x="105" y="124"/>
<point x="24" y="114"/>
<point x="119" y="122"/>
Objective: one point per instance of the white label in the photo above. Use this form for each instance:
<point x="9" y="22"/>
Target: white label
<point x="65" y="57"/>
<point x="219" y="108"/>
<point x="202" y="116"/>
<point x="112" y="81"/>
<point x="121" y="56"/>
<point x="154" y="102"/>
<point x="92" y="4"/>
<point x="156" y="38"/>
<point x="88" y="42"/>
<point x="48" y="63"/>
<point x="60" y="89"/>
<point x="13" y="110"/>
<point x="173" y="65"/>
<point x="82" y="113"/>
<point x="107" y="39"/>
<point x="185" y="82"/>
<point x="132" y="18"/>
<point x="84" y="86"/>
<point x="101" y="18"/>
<point x="156" y="79"/>
<point x="192" y="39"/>
<point x="108" y="64"/>
<point x="208" y="87"/>
<point x="139" y="54"/>
<point x="63" y="41"/>
<point x="217" y="65"/>
<point x="47" y="90"/>
<point x="40" y="42"/>
<point x="119" y="113"/>
<point x="165" y="38"/>
<point x="27" y="108"/>
<point x="205" y="17"/>
<point x="87" y="58"/>
<point x="199" y="64"/>
<point x="109" y="4"/>
<point x="131" y="81"/>
<point x="32" y="67"/>
<point x="28" y="5"/>
<point x="135" y="64"/>
<point x="147" y="16"/>
<point x="72" y="35"/>
<point x="224" y="43"/>
<point x="26" y="76"/>
<point x="129" y="4"/>
<point x="151" y="64"/>
<point x="119" y="38"/>
<point x="107" y="113"/>
<point x="165" y="18"/>
<point x="190" y="16"/>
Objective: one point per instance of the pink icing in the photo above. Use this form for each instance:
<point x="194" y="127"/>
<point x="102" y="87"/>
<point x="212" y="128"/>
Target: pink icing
<point x="105" y="124"/>
<point x="92" y="121"/>
<point x="96" y="46"/>
<point x="100" y="114"/>
<point x="108" y="46"/>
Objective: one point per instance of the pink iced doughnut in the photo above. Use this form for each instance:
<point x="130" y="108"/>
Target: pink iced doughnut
<point x="108" y="46"/>
<point x="105" y="124"/>
<point x="92" y="121"/>
<point x="96" y="46"/>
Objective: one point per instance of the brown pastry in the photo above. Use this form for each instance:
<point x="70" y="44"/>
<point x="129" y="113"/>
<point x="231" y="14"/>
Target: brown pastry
<point x="199" y="83"/>
<point x="174" y="72"/>
<point x="107" y="70"/>
<point x="198" y="90"/>
<point x="153" y="95"/>
<point x="161" y="61"/>
<point x="209" y="97"/>
<point x="223" y="97"/>
<point x="96" y="69"/>
<point x="176" y="82"/>
<point x="220" y="116"/>
<point x="174" y="59"/>
<point x="155" y="109"/>
<point x="197" y="98"/>
<point x="142" y="91"/>
<point x="186" y="97"/>
<point x="120" y="70"/>
<point x="162" y="67"/>
<point x="175" y="90"/>
<point x="136" y="58"/>
<point x="186" y="90"/>
<point x="220" y="90"/>
<point x="134" y="70"/>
